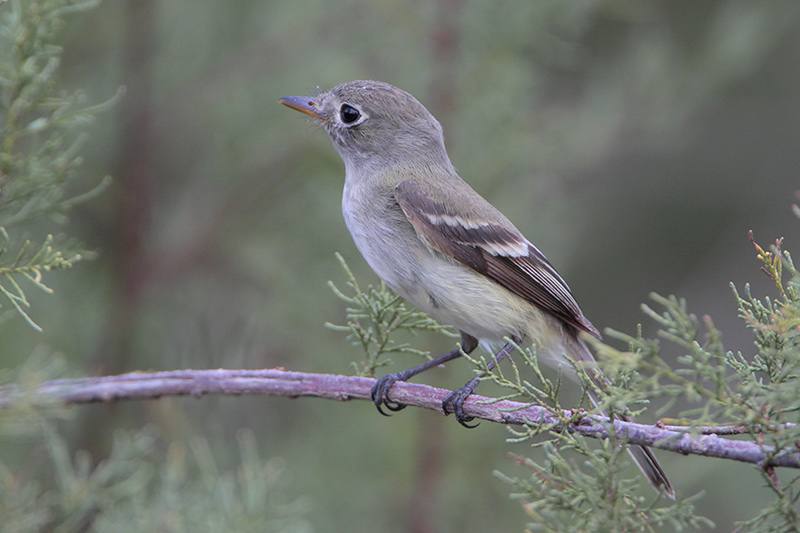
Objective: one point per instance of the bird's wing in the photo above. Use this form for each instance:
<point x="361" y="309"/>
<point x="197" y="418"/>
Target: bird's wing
<point x="499" y="252"/>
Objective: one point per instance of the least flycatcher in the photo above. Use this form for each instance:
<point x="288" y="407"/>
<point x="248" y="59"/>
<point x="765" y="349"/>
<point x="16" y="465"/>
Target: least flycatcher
<point x="442" y="246"/>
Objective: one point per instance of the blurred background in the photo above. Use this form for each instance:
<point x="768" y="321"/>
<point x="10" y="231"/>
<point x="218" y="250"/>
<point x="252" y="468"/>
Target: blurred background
<point x="634" y="143"/>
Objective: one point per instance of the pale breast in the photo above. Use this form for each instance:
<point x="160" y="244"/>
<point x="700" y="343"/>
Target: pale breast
<point x="447" y="290"/>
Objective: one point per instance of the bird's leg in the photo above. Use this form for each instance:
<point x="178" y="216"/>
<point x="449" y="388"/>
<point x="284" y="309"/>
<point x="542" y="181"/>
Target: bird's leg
<point x="454" y="403"/>
<point x="380" y="391"/>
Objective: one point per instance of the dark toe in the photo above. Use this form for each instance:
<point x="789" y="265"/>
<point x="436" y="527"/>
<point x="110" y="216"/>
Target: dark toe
<point x="380" y="394"/>
<point x="454" y="403"/>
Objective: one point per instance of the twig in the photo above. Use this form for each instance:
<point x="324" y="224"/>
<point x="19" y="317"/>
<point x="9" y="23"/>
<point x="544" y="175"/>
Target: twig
<point x="725" y="430"/>
<point x="279" y="382"/>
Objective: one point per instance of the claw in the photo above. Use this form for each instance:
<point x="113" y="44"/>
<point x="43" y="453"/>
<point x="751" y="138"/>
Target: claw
<point x="380" y="394"/>
<point x="454" y="403"/>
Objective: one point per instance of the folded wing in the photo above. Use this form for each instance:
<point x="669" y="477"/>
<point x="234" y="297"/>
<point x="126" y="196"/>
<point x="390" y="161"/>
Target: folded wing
<point x="498" y="252"/>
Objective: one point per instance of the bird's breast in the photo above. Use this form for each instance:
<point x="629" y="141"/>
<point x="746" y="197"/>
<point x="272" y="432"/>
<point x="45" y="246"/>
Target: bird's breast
<point x="449" y="291"/>
<point x="384" y="236"/>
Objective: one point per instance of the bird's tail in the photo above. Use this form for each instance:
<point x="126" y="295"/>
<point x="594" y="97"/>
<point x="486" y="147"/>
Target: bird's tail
<point x="642" y="455"/>
<point x="649" y="465"/>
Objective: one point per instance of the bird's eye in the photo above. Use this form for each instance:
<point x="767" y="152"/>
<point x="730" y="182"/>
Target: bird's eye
<point x="349" y="114"/>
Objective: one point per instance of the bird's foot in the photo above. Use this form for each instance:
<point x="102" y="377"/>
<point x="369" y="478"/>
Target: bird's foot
<point x="454" y="403"/>
<point x="380" y="393"/>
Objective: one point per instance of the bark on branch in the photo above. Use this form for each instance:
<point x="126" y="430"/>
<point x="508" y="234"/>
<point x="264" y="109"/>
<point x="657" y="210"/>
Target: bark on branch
<point x="279" y="382"/>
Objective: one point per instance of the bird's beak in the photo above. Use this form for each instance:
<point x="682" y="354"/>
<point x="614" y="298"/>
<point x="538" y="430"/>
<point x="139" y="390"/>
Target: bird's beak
<point x="304" y="104"/>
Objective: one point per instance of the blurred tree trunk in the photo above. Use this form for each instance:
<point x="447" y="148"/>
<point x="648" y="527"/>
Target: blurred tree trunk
<point x="134" y="176"/>
<point x="425" y="502"/>
<point x="136" y="170"/>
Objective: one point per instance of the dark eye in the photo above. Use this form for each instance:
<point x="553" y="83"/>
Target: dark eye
<point x="349" y="114"/>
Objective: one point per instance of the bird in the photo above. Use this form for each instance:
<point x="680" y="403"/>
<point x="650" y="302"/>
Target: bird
<point x="444" y="248"/>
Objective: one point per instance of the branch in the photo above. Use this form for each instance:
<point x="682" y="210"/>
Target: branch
<point x="279" y="382"/>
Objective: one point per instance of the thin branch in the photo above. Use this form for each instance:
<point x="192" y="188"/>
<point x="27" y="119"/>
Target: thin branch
<point x="726" y="430"/>
<point x="279" y="382"/>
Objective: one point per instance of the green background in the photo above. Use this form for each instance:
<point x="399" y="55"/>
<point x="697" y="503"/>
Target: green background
<point x="635" y="143"/>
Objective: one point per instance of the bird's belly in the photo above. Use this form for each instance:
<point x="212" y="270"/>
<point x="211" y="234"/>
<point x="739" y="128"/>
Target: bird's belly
<point x="451" y="292"/>
<point x="473" y="303"/>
